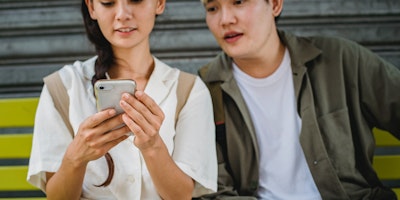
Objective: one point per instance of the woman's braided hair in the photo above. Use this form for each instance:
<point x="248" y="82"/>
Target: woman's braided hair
<point x="104" y="61"/>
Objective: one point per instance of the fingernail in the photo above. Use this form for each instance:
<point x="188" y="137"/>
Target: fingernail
<point x="125" y="96"/>
<point x="139" y="93"/>
<point x="112" y="112"/>
<point x="124" y="117"/>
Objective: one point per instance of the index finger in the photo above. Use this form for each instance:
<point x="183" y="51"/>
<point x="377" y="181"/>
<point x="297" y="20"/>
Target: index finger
<point x="149" y="103"/>
<point x="100" y="117"/>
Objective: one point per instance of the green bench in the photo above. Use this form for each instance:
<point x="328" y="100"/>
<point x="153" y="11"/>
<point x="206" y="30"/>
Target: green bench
<point x="15" y="147"/>
<point x="387" y="166"/>
<point x="19" y="113"/>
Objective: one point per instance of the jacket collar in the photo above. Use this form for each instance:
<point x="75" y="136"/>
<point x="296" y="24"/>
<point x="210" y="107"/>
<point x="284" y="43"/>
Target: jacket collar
<point x="301" y="49"/>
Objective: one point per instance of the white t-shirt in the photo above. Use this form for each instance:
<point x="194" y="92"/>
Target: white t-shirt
<point x="192" y="145"/>
<point x="284" y="173"/>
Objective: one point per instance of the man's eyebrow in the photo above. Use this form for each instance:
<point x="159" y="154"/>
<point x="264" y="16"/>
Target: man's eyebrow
<point x="208" y="1"/>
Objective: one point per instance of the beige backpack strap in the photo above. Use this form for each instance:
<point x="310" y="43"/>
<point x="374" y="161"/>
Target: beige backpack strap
<point x="185" y="85"/>
<point x="60" y="97"/>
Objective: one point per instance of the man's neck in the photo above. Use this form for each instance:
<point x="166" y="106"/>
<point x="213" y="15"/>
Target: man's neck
<point x="262" y="66"/>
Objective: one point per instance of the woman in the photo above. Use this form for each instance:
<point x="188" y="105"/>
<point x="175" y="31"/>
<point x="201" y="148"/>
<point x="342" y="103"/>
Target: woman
<point x="159" y="161"/>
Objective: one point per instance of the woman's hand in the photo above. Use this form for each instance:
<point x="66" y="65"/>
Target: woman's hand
<point x="96" y="136"/>
<point x="144" y="118"/>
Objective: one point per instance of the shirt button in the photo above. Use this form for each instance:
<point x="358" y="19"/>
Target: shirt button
<point x="131" y="178"/>
<point x="315" y="162"/>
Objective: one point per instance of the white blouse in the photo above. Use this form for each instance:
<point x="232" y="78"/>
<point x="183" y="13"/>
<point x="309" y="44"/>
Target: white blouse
<point x="191" y="145"/>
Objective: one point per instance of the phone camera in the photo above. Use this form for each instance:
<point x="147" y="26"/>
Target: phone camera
<point x="101" y="87"/>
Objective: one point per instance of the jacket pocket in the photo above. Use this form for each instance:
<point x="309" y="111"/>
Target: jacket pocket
<point x="337" y="136"/>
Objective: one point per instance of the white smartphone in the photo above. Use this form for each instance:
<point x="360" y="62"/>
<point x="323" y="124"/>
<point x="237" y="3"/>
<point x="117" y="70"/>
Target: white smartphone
<point x="108" y="92"/>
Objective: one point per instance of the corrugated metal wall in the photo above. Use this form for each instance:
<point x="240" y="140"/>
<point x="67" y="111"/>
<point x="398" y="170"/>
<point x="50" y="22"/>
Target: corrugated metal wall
<point x="40" y="36"/>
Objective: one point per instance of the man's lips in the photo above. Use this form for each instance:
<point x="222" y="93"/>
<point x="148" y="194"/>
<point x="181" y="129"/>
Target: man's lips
<point x="232" y="36"/>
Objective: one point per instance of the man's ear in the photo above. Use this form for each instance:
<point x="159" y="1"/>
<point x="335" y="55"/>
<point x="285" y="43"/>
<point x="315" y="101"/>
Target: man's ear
<point x="277" y="6"/>
<point x="160" y="7"/>
<point x="89" y="4"/>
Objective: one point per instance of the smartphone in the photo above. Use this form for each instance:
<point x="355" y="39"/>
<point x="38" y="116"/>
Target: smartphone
<point x="108" y="92"/>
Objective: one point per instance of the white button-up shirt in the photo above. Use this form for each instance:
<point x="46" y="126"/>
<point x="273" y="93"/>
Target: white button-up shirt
<point x="191" y="145"/>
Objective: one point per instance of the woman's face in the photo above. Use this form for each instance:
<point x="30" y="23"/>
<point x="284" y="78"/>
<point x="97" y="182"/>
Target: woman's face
<point x="126" y="23"/>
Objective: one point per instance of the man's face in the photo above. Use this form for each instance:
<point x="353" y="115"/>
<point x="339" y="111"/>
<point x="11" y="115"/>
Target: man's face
<point x="241" y="27"/>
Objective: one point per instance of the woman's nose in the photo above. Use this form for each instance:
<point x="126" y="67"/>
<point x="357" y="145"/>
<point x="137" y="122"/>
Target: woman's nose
<point x="123" y="12"/>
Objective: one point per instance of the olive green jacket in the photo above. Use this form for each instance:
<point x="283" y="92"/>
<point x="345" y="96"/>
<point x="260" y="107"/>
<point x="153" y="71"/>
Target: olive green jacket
<point x="343" y="90"/>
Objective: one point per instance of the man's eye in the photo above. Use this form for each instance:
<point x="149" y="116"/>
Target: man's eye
<point x="211" y="9"/>
<point x="237" y="2"/>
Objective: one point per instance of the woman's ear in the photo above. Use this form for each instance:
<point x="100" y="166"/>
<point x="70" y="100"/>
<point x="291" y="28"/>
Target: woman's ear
<point x="160" y="7"/>
<point x="89" y="4"/>
<point x="277" y="6"/>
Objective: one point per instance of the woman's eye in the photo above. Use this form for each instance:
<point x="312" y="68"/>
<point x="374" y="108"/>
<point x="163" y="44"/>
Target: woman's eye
<point x="107" y="3"/>
<point x="136" y="1"/>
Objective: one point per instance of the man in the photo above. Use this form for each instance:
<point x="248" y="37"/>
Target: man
<point x="294" y="114"/>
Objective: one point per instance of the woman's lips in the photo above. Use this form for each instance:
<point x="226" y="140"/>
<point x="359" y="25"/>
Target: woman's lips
<point x="125" y="30"/>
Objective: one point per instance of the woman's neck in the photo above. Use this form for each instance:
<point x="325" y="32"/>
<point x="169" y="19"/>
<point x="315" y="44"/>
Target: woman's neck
<point x="137" y="66"/>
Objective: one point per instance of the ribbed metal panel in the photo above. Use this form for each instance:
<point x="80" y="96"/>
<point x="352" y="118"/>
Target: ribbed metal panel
<point x="40" y="36"/>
